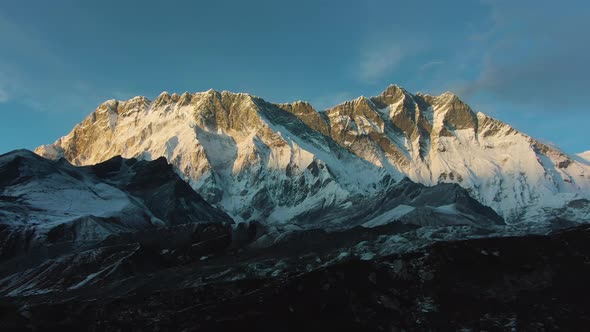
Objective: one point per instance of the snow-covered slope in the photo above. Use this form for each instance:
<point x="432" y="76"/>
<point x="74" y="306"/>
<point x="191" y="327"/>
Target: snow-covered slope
<point x="411" y="203"/>
<point x="585" y="155"/>
<point x="44" y="201"/>
<point x="276" y="162"/>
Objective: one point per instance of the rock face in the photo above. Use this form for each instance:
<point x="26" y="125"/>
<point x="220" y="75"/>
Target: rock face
<point x="45" y="204"/>
<point x="274" y="162"/>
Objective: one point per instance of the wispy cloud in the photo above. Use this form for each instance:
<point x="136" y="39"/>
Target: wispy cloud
<point x="377" y="62"/>
<point x="533" y="55"/>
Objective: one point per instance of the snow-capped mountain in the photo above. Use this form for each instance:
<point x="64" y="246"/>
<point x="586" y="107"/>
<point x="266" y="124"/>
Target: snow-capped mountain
<point x="585" y="155"/>
<point x="283" y="162"/>
<point x="46" y="202"/>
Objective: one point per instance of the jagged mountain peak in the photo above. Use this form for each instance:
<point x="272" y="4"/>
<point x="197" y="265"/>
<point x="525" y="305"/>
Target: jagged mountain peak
<point x="448" y="95"/>
<point x="298" y="107"/>
<point x="361" y="104"/>
<point x="443" y="95"/>
<point x="393" y="89"/>
<point x="391" y="94"/>
<point x="301" y="102"/>
<point x="109" y="105"/>
<point x="184" y="99"/>
<point x="163" y="98"/>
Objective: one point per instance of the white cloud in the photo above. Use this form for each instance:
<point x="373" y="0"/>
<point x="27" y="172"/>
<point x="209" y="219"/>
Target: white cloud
<point x="526" y="60"/>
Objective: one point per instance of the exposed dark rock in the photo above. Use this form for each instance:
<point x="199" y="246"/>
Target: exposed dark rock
<point x="528" y="283"/>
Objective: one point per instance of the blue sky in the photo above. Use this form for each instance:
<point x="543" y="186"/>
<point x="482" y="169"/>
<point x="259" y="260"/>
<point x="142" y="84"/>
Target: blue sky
<point x="523" y="62"/>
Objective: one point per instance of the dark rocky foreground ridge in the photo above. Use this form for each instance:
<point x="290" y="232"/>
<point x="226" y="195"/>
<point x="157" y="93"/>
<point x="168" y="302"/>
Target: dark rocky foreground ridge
<point x="525" y="283"/>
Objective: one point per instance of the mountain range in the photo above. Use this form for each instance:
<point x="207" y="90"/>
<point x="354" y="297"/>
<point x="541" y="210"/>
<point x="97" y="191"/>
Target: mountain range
<point x="289" y="163"/>
<point x="216" y="210"/>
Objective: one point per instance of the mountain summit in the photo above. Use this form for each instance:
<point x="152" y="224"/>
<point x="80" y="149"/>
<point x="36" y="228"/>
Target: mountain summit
<point x="287" y="162"/>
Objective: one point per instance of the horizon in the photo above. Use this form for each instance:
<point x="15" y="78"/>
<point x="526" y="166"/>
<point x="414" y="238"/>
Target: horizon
<point x="501" y="58"/>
